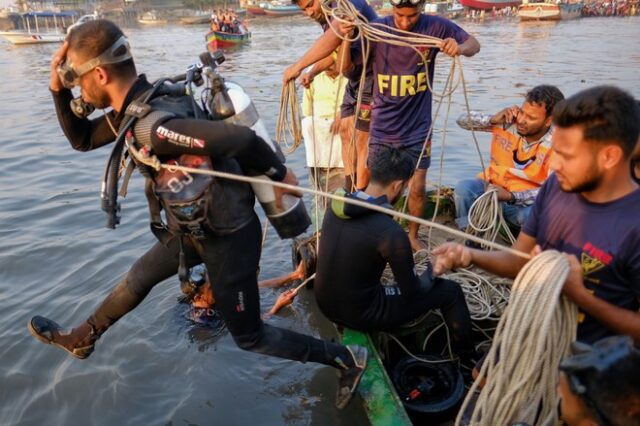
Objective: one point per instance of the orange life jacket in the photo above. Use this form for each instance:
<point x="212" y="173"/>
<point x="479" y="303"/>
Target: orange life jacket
<point x="513" y="168"/>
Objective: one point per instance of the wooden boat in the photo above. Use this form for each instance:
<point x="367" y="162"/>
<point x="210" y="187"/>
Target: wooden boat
<point x="150" y="18"/>
<point x="218" y="39"/>
<point x="274" y="9"/>
<point x="549" y="11"/>
<point x="489" y="4"/>
<point x="445" y="9"/>
<point x="196" y="19"/>
<point x="35" y="33"/>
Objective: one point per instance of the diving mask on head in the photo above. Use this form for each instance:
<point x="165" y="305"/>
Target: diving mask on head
<point x="197" y="278"/>
<point x="407" y="3"/>
<point x="118" y="52"/>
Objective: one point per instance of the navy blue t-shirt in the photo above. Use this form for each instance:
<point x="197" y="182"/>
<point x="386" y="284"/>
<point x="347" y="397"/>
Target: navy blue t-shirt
<point x="401" y="110"/>
<point x="604" y="237"/>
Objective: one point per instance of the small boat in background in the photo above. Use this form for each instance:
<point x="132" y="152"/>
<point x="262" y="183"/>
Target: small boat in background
<point x="279" y="9"/>
<point x="40" y="27"/>
<point x="445" y="9"/>
<point x="200" y="17"/>
<point x="490" y="4"/>
<point x="219" y="39"/>
<point x="150" y="18"/>
<point x="550" y="11"/>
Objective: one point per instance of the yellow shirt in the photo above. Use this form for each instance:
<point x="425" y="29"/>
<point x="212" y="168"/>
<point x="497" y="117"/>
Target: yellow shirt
<point x="323" y="92"/>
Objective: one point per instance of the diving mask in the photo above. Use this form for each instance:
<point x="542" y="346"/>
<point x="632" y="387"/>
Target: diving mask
<point x="197" y="278"/>
<point x="406" y="3"/>
<point x="118" y="52"/>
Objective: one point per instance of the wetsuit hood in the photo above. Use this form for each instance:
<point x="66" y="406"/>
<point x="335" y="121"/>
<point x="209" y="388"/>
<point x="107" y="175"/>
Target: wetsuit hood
<point x="350" y="211"/>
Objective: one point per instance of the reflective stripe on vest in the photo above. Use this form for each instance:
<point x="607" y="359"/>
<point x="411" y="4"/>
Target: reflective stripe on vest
<point x="529" y="171"/>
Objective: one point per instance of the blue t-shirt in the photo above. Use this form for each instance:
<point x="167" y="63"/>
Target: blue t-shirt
<point x="604" y="237"/>
<point x="401" y="110"/>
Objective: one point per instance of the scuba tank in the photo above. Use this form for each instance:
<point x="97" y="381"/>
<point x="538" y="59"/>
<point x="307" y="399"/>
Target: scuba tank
<point x="230" y="103"/>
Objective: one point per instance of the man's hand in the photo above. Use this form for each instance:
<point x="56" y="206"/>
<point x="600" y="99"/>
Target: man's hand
<point x="450" y="47"/>
<point x="346" y="28"/>
<point x="574" y="288"/>
<point x="292" y="72"/>
<point x="283" y="300"/>
<point x="58" y="59"/>
<point x="335" y="126"/>
<point x="503" y="194"/>
<point x="450" y="256"/>
<point x="306" y="79"/>
<point x="291" y="179"/>
<point x="506" y="116"/>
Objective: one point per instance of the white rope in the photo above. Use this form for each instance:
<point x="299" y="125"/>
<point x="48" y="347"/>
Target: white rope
<point x="533" y="335"/>
<point x="486" y="218"/>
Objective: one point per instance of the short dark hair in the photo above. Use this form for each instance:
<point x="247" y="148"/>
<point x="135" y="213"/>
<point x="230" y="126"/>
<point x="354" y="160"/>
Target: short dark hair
<point x="390" y="164"/>
<point x="92" y="38"/>
<point x="605" y="113"/>
<point x="545" y="95"/>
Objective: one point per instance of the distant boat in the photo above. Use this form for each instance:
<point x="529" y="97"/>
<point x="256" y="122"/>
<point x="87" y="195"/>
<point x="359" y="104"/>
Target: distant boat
<point x="275" y="9"/>
<point x="199" y="17"/>
<point x="549" y="11"/>
<point x="218" y="39"/>
<point x="490" y="4"/>
<point x="150" y="18"/>
<point x="36" y="34"/>
<point x="255" y="9"/>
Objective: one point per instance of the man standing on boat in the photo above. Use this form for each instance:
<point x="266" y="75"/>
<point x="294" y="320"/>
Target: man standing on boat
<point x="402" y="97"/>
<point x="319" y="55"/>
<point x="358" y="243"/>
<point x="218" y="226"/>
<point x="520" y="155"/>
<point x="588" y="208"/>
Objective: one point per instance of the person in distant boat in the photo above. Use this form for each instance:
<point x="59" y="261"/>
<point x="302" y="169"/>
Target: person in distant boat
<point x="588" y="208"/>
<point x="354" y="156"/>
<point x="357" y="244"/>
<point x="600" y="385"/>
<point x="320" y="129"/>
<point x="209" y="221"/>
<point x="520" y="156"/>
<point x="402" y="98"/>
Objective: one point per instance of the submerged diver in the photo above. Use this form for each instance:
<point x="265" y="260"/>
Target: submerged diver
<point x="600" y="385"/>
<point x="358" y="243"/>
<point x="219" y="227"/>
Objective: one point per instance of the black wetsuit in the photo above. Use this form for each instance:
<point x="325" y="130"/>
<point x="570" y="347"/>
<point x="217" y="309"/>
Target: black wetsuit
<point x="231" y="257"/>
<point x="356" y="245"/>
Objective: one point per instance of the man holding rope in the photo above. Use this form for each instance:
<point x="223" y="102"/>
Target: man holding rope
<point x="358" y="243"/>
<point x="589" y="209"/>
<point x="225" y="234"/>
<point x="520" y="154"/>
<point x="354" y="157"/>
<point x="402" y="93"/>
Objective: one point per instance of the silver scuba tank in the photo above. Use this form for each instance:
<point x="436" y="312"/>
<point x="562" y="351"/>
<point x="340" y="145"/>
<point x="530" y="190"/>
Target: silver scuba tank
<point x="293" y="219"/>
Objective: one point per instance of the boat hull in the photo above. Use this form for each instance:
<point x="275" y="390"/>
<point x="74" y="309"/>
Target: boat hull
<point x="255" y="10"/>
<point x="489" y="4"/>
<point x="31" y="38"/>
<point x="282" y="10"/>
<point x="549" y="11"/>
<point x="195" y="20"/>
<point x="218" y="39"/>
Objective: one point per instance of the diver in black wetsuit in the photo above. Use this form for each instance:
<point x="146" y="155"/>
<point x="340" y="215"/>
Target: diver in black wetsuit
<point x="358" y="243"/>
<point x="225" y="234"/>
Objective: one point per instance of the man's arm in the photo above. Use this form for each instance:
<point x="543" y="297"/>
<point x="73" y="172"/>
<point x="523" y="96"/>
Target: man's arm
<point x="619" y="320"/>
<point x="451" y="256"/>
<point x="469" y="48"/>
<point x="397" y="251"/>
<point x="179" y="136"/>
<point x="322" y="48"/>
<point x="323" y="64"/>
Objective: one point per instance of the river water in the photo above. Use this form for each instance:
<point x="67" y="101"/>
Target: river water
<point x="57" y="259"/>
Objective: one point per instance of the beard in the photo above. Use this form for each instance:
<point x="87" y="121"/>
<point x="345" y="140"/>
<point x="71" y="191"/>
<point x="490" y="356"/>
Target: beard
<point x="97" y="98"/>
<point x="530" y="132"/>
<point x="589" y="183"/>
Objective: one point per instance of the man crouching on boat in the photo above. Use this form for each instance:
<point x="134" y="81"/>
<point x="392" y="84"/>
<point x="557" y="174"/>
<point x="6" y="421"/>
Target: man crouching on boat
<point x="357" y="244"/>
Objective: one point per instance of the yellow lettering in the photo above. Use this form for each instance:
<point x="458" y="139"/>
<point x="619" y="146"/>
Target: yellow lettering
<point x="383" y="82"/>
<point x="422" y="82"/>
<point x="394" y="85"/>
<point x="406" y="85"/>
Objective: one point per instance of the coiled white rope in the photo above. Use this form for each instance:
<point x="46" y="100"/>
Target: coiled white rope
<point x="486" y="218"/>
<point x="533" y="335"/>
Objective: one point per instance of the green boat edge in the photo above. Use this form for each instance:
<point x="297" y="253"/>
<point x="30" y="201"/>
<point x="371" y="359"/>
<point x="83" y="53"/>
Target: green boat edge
<point x="382" y="403"/>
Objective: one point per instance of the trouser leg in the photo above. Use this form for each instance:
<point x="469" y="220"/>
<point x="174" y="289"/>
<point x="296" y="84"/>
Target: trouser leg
<point x="464" y="194"/>
<point x="232" y="262"/>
